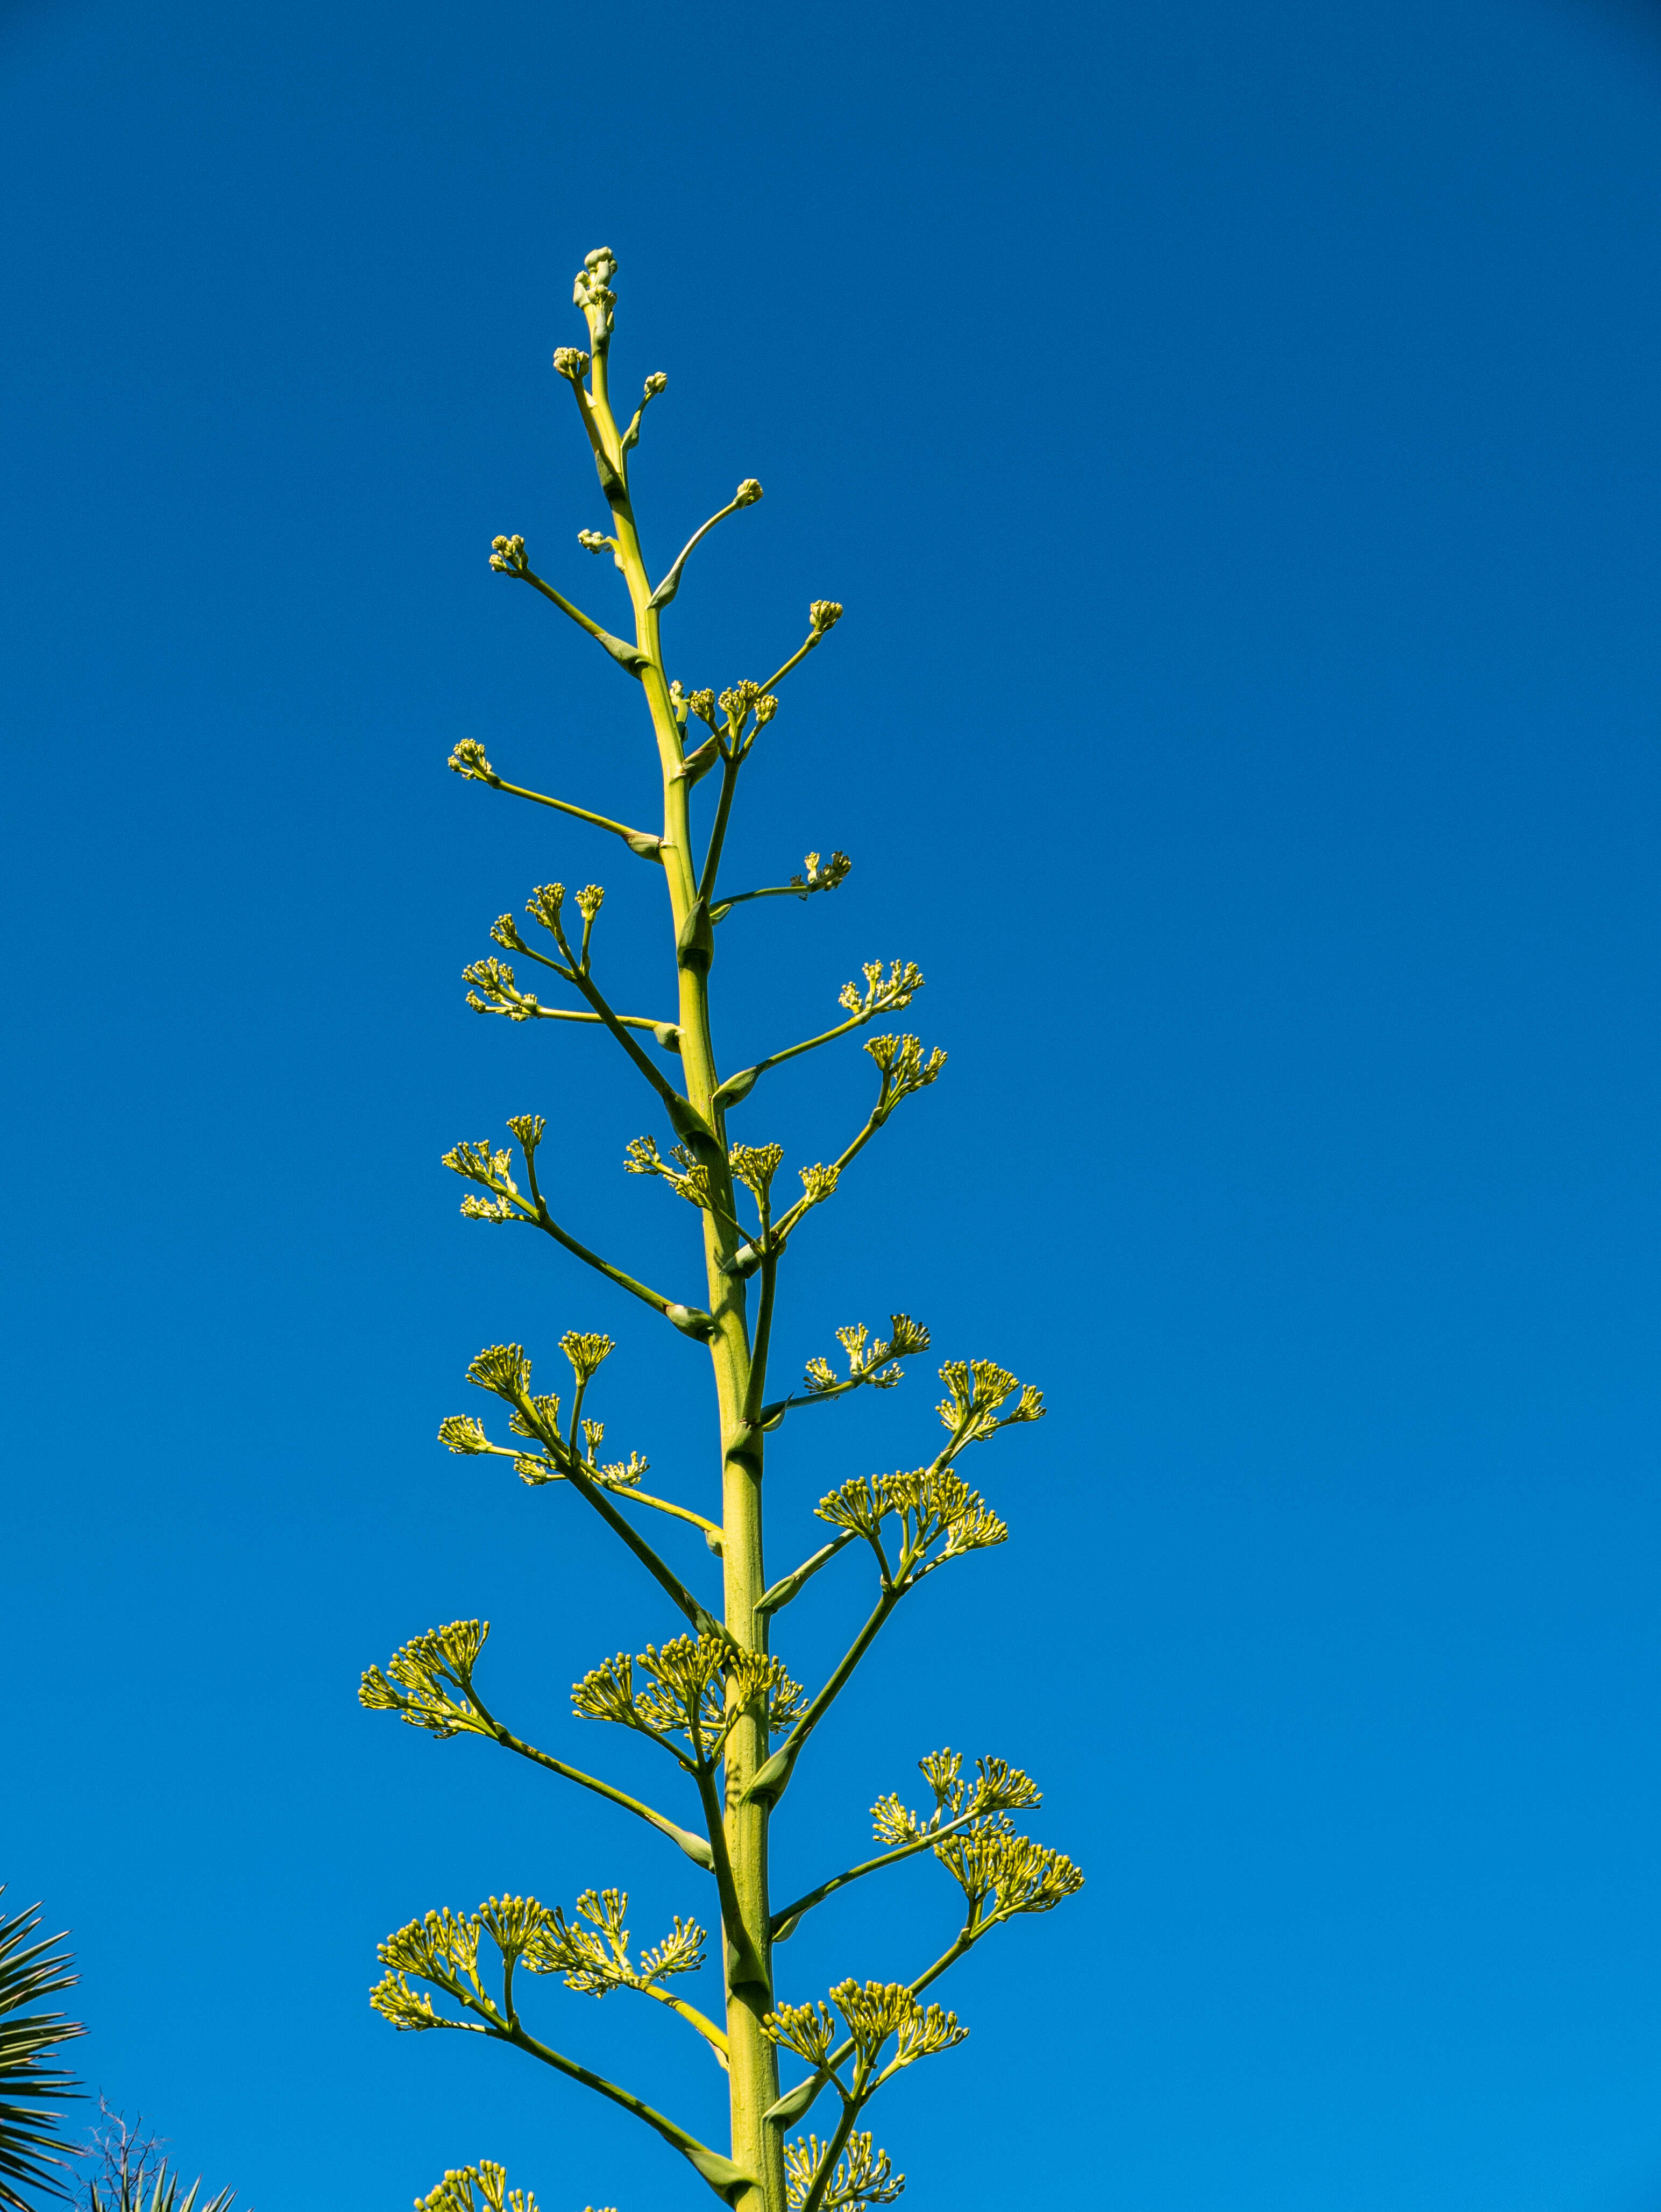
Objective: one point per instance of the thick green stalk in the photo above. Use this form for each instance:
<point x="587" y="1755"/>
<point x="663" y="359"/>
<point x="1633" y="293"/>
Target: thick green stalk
<point x="753" y="2066"/>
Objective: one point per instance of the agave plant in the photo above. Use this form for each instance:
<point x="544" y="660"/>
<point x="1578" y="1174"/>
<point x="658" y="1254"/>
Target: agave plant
<point x="713" y="1697"/>
<point x="30" y="2143"/>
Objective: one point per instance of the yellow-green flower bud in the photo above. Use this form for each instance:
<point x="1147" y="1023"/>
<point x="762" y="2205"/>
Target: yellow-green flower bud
<point x="468" y="760"/>
<point x="737" y="699"/>
<point x="587" y="1353"/>
<point x="544" y="903"/>
<point x="817" y="1183"/>
<point x="591" y="291"/>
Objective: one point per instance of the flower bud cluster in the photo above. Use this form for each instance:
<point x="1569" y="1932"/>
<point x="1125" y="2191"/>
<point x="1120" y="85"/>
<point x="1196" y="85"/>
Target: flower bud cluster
<point x="882" y="995"/>
<point x="495" y="992"/>
<point x="467" y="759"/>
<point x="591" y="291"/>
<point x="587" y="1355"/>
<point x="875" y="1363"/>
<point x="864" y="2175"/>
<point x="977" y="1389"/>
<point x="755" y="1165"/>
<point x="737" y="699"/>
<point x="874" y="2011"/>
<point x="455" y="2192"/>
<point x="817" y="1183"/>
<point x="998" y="1789"/>
<point x="904" y="1071"/>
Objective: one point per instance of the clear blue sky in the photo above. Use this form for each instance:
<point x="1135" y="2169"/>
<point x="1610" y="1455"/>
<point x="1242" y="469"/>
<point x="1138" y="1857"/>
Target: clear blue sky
<point x="1234" y="433"/>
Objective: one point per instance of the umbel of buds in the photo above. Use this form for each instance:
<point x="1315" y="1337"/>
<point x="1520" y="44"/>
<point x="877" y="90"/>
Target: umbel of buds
<point x="706" y="1681"/>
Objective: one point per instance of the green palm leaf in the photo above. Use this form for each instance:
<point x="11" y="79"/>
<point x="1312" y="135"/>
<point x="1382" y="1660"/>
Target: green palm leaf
<point x="135" y="2193"/>
<point x="133" y="2176"/>
<point x="29" y="2138"/>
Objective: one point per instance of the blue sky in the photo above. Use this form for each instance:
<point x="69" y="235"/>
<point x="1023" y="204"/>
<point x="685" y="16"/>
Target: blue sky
<point x="1233" y="432"/>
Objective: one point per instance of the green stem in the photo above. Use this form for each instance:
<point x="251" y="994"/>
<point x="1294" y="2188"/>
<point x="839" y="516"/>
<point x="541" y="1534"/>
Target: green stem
<point x="663" y="1574"/>
<point x="539" y="1013"/>
<point x="693" y="2017"/>
<point x="655" y="1076"/>
<point x="803" y="1206"/>
<point x="785" y="1920"/>
<point x="637" y="840"/>
<point x="679" y="1316"/>
<point x="747" y="1076"/>
<point x="795" y="660"/>
<point x="768" y="890"/>
<point x="753" y="2082"/>
<point x="667" y="1505"/>
<point x="833" y="2150"/>
<point x="775" y="1777"/>
<point x="627" y="656"/>
<point x="726" y="2179"/>
<point x="771" y="1415"/>
<point x="730" y="766"/>
<point x="695" y="1846"/>
<point x="671" y="583"/>
<point x="776" y="1598"/>
<point x="758" y="1370"/>
<point x="744" y="1967"/>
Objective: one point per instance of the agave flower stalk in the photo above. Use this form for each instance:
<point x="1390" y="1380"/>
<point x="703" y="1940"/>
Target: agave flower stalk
<point x="713" y="1697"/>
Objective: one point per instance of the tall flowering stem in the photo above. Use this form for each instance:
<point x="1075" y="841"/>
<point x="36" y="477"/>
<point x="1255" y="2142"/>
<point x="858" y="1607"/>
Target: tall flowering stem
<point x="713" y="1697"/>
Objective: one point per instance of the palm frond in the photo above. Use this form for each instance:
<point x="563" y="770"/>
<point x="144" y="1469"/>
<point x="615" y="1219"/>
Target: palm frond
<point x="128" y="2194"/>
<point x="30" y="2141"/>
<point x="132" y="2174"/>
